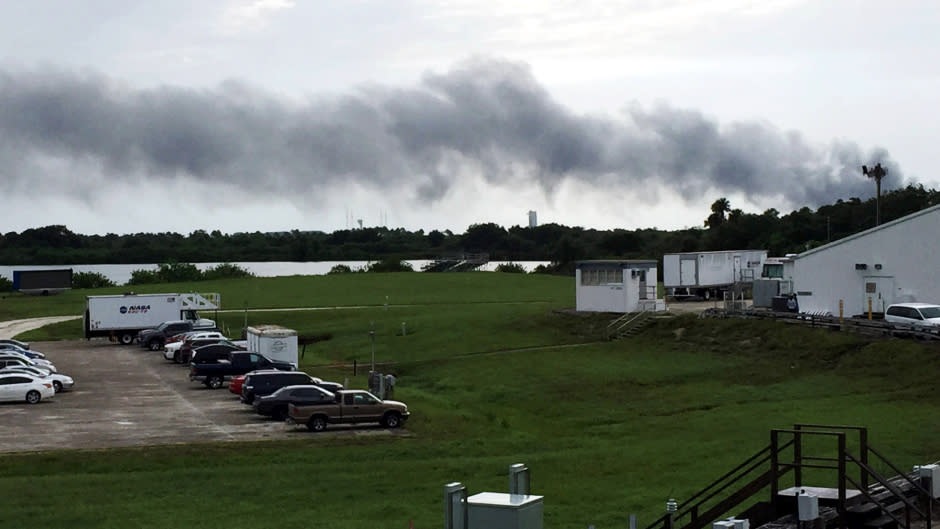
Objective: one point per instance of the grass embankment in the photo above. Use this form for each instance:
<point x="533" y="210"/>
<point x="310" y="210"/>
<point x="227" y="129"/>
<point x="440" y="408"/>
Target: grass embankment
<point x="608" y="429"/>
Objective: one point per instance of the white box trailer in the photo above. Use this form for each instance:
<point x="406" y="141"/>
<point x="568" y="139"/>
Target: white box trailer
<point x="707" y="274"/>
<point x="274" y="342"/>
<point x="120" y="317"/>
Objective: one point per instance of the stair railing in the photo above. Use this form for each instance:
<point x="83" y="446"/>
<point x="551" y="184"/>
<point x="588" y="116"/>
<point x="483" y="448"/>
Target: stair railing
<point x="692" y="507"/>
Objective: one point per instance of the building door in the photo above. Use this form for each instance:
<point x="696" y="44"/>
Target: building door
<point x="642" y="275"/>
<point x="737" y="268"/>
<point x="687" y="275"/>
<point x="880" y="290"/>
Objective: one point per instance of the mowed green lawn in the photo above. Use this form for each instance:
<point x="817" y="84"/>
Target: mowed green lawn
<point x="607" y="429"/>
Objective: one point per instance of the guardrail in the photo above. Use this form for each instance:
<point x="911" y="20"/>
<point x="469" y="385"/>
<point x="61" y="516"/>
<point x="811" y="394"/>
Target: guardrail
<point x="859" y="325"/>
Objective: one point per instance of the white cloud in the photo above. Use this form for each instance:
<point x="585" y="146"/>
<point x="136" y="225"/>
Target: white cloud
<point x="252" y="15"/>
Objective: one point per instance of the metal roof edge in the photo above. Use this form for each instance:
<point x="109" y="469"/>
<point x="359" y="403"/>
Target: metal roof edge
<point x="860" y="234"/>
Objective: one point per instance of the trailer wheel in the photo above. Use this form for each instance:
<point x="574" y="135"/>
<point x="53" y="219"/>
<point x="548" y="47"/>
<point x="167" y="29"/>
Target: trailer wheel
<point x="706" y="294"/>
<point x="126" y="338"/>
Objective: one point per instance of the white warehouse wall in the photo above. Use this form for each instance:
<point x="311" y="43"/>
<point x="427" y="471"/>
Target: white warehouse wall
<point x="907" y="249"/>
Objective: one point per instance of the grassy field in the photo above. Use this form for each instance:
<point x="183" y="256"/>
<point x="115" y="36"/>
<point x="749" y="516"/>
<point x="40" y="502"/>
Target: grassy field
<point x="607" y="429"/>
<point x="345" y="290"/>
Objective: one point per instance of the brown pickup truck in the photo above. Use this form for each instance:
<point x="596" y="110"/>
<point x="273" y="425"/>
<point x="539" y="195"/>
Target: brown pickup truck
<point x="350" y="406"/>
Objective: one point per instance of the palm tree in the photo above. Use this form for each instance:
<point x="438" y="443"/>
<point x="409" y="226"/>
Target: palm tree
<point x="877" y="172"/>
<point x="719" y="208"/>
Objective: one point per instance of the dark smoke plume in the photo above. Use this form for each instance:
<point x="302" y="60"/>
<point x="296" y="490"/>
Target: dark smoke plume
<point x="488" y="115"/>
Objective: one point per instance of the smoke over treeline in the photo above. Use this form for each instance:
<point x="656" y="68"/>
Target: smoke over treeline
<point x="489" y="117"/>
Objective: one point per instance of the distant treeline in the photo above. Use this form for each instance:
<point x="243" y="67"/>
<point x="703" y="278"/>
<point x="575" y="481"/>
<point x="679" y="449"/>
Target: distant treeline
<point x="724" y="228"/>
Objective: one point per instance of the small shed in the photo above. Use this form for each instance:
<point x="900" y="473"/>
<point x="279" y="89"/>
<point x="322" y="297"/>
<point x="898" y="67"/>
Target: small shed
<point x="891" y="263"/>
<point x="617" y="286"/>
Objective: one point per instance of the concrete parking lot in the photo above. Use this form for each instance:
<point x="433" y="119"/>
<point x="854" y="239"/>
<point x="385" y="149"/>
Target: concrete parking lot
<point x="127" y="396"/>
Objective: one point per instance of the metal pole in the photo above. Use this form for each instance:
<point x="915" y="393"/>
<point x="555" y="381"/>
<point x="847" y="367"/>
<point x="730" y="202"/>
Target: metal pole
<point x="372" y="337"/>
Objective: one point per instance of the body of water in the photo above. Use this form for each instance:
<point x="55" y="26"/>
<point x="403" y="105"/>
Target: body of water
<point x="121" y="273"/>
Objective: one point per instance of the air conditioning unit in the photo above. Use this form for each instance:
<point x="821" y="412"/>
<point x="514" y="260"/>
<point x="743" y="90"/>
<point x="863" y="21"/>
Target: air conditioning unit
<point x="930" y="479"/>
<point x="807" y="506"/>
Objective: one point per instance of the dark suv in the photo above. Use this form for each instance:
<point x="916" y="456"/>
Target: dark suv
<point x="217" y="347"/>
<point x="260" y="383"/>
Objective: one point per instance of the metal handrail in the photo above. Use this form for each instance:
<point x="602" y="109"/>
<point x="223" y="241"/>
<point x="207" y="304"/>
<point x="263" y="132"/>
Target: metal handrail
<point x="633" y="318"/>
<point x="917" y="486"/>
<point x="714" y="488"/>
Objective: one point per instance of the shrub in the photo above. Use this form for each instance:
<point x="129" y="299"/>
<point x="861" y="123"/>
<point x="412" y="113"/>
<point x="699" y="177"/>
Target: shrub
<point x="6" y="285"/>
<point x="144" y="277"/>
<point x="340" y="269"/>
<point x="90" y="280"/>
<point x="173" y="272"/>
<point x="226" y="271"/>
<point x="510" y="268"/>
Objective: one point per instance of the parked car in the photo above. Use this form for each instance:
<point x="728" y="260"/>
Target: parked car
<point x="17" y="349"/>
<point x="16" y="387"/>
<point x="237" y="363"/>
<point x="21" y="345"/>
<point x="16" y="358"/>
<point x="155" y="338"/>
<point x="173" y="344"/>
<point x="236" y="383"/>
<point x="60" y="382"/>
<point x="208" y="345"/>
<point x="350" y="406"/>
<point x="921" y="316"/>
<point x="275" y="404"/>
<point x="260" y="383"/>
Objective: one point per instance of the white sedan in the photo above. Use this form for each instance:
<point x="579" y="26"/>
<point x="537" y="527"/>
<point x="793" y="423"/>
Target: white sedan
<point x="17" y="387"/>
<point x="170" y="349"/>
<point x="60" y="382"/>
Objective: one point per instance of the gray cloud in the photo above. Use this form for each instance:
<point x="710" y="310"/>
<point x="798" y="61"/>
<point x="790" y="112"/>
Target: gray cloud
<point x="487" y="114"/>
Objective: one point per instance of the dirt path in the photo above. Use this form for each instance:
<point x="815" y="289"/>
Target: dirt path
<point x="9" y="329"/>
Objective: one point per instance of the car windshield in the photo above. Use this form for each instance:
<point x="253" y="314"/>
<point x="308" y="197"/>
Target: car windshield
<point x="930" y="312"/>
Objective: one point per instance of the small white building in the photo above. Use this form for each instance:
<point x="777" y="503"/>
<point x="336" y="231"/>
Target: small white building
<point x="892" y="263"/>
<point x="616" y="286"/>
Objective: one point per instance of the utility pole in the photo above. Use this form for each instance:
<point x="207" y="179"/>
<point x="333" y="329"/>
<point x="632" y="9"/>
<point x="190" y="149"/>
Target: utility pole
<point x="877" y="173"/>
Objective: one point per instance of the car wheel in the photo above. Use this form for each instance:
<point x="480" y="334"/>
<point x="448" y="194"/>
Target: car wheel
<point x="176" y="358"/>
<point x="155" y="345"/>
<point x="317" y="423"/>
<point x="392" y="420"/>
<point x="126" y="338"/>
<point x="214" y="382"/>
<point x="33" y="397"/>
<point x="280" y="413"/>
<point x="57" y="385"/>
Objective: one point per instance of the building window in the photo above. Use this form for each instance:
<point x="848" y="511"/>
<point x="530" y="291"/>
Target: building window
<point x="601" y="276"/>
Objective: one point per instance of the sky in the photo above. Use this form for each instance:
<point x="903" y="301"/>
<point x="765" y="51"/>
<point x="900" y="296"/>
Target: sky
<point x="274" y="115"/>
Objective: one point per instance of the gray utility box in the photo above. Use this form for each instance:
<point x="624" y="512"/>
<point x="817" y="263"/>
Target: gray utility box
<point x="496" y="510"/>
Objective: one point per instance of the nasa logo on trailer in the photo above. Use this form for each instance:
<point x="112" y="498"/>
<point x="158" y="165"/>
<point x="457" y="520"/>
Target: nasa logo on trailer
<point x="123" y="310"/>
<point x="278" y="346"/>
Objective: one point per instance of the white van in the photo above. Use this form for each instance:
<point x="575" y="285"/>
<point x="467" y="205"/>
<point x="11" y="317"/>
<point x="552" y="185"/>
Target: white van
<point x="924" y="315"/>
